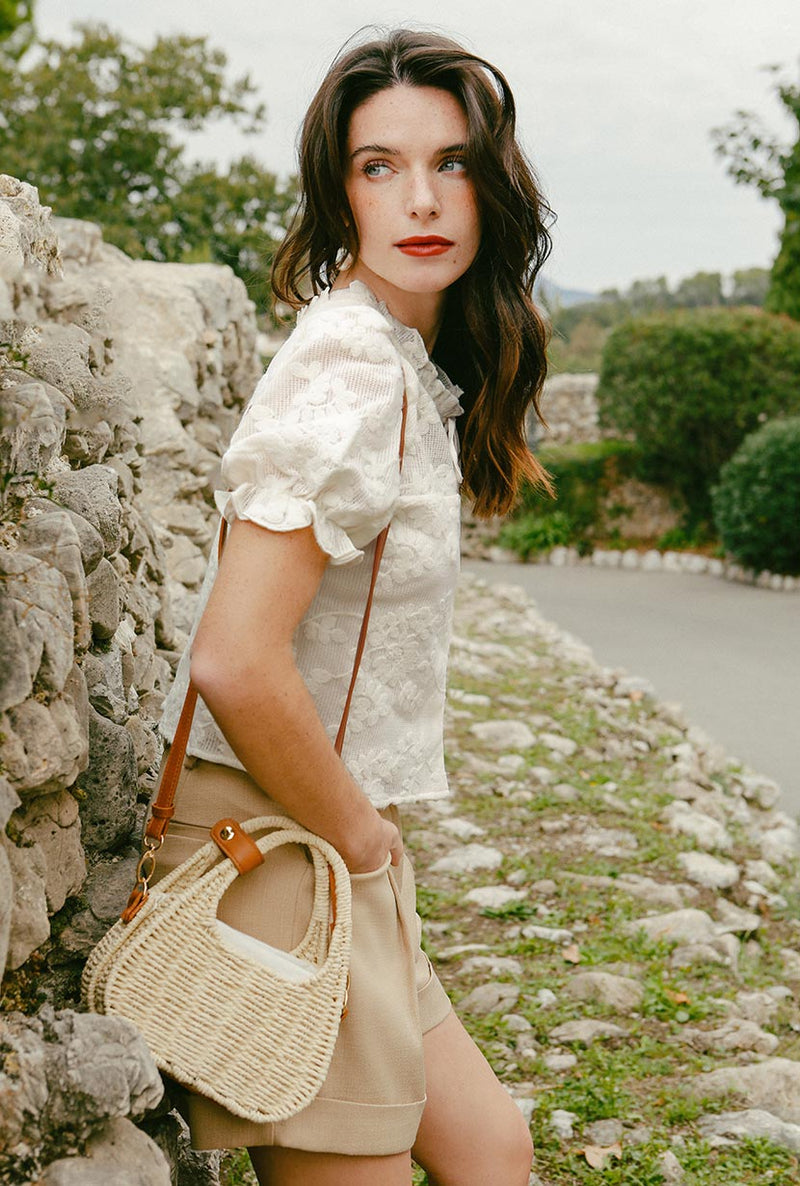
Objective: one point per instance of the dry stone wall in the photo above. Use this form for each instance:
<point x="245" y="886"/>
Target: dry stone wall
<point x="119" y="382"/>
<point x="569" y="405"/>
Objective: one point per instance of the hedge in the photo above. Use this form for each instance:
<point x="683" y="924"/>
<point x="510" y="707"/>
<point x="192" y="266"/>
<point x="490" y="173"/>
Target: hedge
<point x="691" y="385"/>
<point x="757" y="500"/>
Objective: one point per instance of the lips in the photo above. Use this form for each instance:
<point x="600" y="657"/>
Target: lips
<point x="423" y="245"/>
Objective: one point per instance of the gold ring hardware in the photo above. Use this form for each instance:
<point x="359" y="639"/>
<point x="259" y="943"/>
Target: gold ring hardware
<point x="147" y="861"/>
<point x="226" y="833"/>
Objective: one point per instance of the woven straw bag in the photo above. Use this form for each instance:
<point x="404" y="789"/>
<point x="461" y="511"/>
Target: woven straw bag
<point x="246" y="1025"/>
<point x="217" y="1020"/>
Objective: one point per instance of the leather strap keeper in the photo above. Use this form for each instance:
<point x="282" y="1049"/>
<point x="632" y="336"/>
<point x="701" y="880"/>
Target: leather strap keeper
<point x="236" y="844"/>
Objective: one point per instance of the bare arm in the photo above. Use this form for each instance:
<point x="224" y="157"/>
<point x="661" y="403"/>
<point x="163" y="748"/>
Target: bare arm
<point x="243" y="667"/>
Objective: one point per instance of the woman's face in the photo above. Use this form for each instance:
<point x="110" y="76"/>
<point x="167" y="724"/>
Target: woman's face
<point x="412" y="200"/>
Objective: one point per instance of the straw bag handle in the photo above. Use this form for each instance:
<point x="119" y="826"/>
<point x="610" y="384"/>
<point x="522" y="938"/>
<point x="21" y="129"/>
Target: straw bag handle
<point x="163" y="809"/>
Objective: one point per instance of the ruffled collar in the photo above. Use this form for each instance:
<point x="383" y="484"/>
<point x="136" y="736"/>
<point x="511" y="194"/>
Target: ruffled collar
<point x="444" y="393"/>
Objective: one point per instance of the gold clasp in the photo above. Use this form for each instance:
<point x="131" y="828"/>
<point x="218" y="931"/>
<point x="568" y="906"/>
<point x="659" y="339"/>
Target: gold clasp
<point x="147" y="861"/>
<point x="145" y="869"/>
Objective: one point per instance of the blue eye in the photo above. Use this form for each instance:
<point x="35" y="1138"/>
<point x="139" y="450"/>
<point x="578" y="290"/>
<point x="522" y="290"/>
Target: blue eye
<point x="375" y="169"/>
<point x="453" y="164"/>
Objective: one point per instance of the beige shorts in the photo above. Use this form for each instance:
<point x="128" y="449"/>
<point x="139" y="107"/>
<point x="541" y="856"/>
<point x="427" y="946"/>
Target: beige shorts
<point x="372" y="1099"/>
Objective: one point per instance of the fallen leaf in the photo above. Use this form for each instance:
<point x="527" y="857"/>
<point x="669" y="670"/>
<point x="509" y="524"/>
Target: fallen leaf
<point x="598" y="1155"/>
<point x="572" y="954"/>
<point x="680" y="998"/>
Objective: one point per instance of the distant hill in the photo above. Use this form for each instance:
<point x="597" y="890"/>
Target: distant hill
<point x="556" y="297"/>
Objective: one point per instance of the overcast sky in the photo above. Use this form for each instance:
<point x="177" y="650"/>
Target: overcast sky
<point x="616" y="102"/>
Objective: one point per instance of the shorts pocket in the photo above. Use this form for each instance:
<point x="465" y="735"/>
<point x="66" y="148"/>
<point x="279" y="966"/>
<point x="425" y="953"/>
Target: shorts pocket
<point x="356" y="878"/>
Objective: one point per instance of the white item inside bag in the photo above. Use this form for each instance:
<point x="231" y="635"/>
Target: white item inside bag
<point x="283" y="963"/>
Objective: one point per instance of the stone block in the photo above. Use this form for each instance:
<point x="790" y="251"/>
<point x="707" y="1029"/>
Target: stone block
<point x="119" y="1154"/>
<point x="68" y="357"/>
<point x="52" y="537"/>
<point x="36" y="644"/>
<point x="104" y="682"/>
<point x="92" y="493"/>
<point x="81" y="242"/>
<point x="127" y="482"/>
<point x="82" y="933"/>
<point x="12" y="254"/>
<point x="186" y="562"/>
<point x="164" y="620"/>
<point x="66" y="1074"/>
<point x="110" y="784"/>
<point x="32" y="427"/>
<point x="146" y="745"/>
<point x="19" y="653"/>
<point x="141" y="602"/>
<point x="89" y="444"/>
<point x="51" y="822"/>
<point x="109" y="884"/>
<point x="104" y="600"/>
<point x="35" y="236"/>
<point x="7" y="311"/>
<point x="9" y="801"/>
<point x="89" y="538"/>
<point x="6" y="900"/>
<point x="77" y="696"/>
<point x="29" y="922"/>
<point x="43" y="746"/>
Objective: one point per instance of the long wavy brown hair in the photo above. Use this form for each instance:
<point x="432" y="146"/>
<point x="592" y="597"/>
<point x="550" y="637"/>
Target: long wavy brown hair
<point x="493" y="339"/>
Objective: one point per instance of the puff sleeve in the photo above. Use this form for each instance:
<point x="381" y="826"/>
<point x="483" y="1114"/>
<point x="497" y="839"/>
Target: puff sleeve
<point x="318" y="443"/>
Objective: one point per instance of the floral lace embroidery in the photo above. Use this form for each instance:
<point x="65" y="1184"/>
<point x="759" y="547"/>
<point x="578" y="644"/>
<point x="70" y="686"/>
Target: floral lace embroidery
<point x="317" y="446"/>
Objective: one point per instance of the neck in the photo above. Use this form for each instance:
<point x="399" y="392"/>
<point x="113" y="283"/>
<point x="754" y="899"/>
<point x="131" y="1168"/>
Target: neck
<point x="422" y="311"/>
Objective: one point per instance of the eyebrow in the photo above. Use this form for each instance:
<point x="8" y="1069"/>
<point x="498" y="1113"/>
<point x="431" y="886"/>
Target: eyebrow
<point x="383" y="150"/>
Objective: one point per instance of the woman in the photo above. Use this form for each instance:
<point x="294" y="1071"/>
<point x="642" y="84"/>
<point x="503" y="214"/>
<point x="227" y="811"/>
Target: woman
<point x="420" y="233"/>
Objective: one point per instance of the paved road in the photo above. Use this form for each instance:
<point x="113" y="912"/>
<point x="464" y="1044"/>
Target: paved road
<point x="729" y="653"/>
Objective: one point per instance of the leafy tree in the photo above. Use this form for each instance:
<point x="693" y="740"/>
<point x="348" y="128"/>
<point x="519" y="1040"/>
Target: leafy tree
<point x="701" y="291"/>
<point x="95" y="126"/>
<point x="237" y="219"/>
<point x="756" y="157"/>
<point x="580" y="331"/>
<point x="16" y="27"/>
<point x="645" y="296"/>
<point x="749" y="286"/>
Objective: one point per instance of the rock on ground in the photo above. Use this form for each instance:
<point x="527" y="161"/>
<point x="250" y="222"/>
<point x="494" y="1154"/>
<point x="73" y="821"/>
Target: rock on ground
<point x="772" y="1085"/>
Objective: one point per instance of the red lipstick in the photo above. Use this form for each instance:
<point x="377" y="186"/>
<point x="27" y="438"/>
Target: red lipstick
<point x="424" y="245"/>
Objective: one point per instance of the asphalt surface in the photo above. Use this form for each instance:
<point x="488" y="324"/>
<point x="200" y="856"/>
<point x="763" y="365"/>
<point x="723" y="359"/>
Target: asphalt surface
<point x="728" y="652"/>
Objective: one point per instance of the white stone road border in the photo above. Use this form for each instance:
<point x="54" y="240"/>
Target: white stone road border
<point x="653" y="561"/>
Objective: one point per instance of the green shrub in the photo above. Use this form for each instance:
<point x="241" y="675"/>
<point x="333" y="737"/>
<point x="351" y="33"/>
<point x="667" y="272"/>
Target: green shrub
<point x="532" y="533"/>
<point x="682" y="537"/>
<point x="690" y="386"/>
<point x="757" y="501"/>
<point x="583" y="474"/>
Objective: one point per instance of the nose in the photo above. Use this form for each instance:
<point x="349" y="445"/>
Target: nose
<point x="423" y="199"/>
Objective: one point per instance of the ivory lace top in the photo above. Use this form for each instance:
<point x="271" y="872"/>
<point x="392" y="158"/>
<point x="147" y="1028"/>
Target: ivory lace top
<point x="318" y="446"/>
